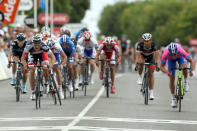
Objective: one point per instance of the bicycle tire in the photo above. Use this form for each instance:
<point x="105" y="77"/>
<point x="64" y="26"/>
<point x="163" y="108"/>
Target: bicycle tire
<point x="107" y="82"/>
<point x="18" y="86"/>
<point x="57" y="92"/>
<point x="37" y="92"/>
<point x="146" y="89"/>
<point x="179" y="95"/>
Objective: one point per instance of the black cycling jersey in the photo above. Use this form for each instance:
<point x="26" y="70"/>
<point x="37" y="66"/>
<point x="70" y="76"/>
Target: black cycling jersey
<point x="124" y="46"/>
<point x="146" y="51"/>
<point x="16" y="50"/>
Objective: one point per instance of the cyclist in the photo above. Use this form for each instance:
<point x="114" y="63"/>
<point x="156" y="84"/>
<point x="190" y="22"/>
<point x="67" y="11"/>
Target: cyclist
<point x="16" y="51"/>
<point x="124" y="51"/>
<point x="33" y="51"/>
<point x="147" y="52"/>
<point x="69" y="49"/>
<point x="58" y="53"/>
<point x="79" y="34"/>
<point x="175" y="53"/>
<point x="110" y="51"/>
<point x="89" y="45"/>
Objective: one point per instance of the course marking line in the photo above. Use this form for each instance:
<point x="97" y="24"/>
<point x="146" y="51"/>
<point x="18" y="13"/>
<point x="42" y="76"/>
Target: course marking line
<point x="87" y="108"/>
<point x="111" y="119"/>
<point x="86" y="128"/>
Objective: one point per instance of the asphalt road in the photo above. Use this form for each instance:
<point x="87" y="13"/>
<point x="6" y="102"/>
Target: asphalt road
<point x="123" y="111"/>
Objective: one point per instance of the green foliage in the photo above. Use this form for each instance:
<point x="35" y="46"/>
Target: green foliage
<point x="74" y="8"/>
<point x="110" y="19"/>
<point x="165" y="19"/>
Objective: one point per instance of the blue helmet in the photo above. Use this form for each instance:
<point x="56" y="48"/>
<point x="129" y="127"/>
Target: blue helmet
<point x="172" y="48"/>
<point x="64" y="39"/>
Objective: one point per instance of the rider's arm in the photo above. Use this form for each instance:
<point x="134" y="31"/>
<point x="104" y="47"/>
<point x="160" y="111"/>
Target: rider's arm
<point x="191" y="63"/>
<point x="163" y="69"/>
<point x="157" y="56"/>
<point x="9" y="56"/>
<point x="64" y="58"/>
<point x="51" y="55"/>
<point x="24" y="59"/>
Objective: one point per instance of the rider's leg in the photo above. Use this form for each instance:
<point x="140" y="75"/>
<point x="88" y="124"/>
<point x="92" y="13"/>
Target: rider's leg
<point x="32" y="78"/>
<point x="151" y="78"/>
<point x="92" y="66"/>
<point x="15" y="58"/>
<point x="183" y="62"/>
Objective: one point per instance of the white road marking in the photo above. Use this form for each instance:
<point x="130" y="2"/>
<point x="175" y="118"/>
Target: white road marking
<point x="89" y="118"/>
<point x="87" y="108"/>
<point x="86" y="128"/>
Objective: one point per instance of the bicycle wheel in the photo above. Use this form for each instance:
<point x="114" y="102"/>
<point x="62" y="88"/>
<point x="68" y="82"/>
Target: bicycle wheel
<point x="179" y="96"/>
<point x="107" y="82"/>
<point x="56" y="90"/>
<point x="18" y="86"/>
<point x="85" y="79"/>
<point x="73" y="84"/>
<point x="146" y="86"/>
<point x="38" y="93"/>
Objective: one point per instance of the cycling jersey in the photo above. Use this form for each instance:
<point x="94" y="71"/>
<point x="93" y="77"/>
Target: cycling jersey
<point x="69" y="50"/>
<point x="180" y="53"/>
<point x="88" y="50"/>
<point x="16" y="50"/>
<point x="34" y="55"/>
<point x="124" y="46"/>
<point x="181" y="57"/>
<point x="146" y="51"/>
<point x="109" y="51"/>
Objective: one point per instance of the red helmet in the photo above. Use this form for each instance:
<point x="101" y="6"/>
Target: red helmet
<point x="109" y="41"/>
<point x="87" y="36"/>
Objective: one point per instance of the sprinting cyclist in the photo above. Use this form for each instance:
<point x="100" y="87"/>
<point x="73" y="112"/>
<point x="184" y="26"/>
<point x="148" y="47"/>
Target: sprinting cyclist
<point x="89" y="45"/>
<point x="15" y="54"/>
<point x="174" y="53"/>
<point x="32" y="52"/>
<point x="70" y="51"/>
<point x="110" y="50"/>
<point x="59" y="54"/>
<point x="147" y="52"/>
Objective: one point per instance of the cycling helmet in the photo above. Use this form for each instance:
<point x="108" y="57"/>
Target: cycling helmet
<point x="45" y="28"/>
<point x="37" y="39"/>
<point x="84" y="29"/>
<point x="176" y="40"/>
<point x="87" y="36"/>
<point x="21" y="37"/>
<point x="46" y="34"/>
<point x="172" y="48"/>
<point x="64" y="39"/>
<point x="50" y="43"/>
<point x="109" y="41"/>
<point x="147" y="37"/>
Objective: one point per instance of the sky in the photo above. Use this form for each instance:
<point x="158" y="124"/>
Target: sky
<point x="92" y="15"/>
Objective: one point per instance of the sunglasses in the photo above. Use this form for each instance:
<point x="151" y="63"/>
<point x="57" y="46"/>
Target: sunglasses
<point x="147" y="42"/>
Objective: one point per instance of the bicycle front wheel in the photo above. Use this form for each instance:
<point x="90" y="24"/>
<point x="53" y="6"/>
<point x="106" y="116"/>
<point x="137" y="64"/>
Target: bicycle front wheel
<point x="146" y="86"/>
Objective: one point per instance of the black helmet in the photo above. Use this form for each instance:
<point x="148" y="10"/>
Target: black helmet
<point x="37" y="39"/>
<point x="67" y="32"/>
<point x="21" y="37"/>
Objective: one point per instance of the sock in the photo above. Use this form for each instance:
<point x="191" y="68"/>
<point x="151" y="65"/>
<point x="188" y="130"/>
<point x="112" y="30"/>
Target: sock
<point x="151" y="90"/>
<point x="173" y="96"/>
<point x="13" y="76"/>
<point x="140" y="75"/>
<point x="60" y="87"/>
<point x="185" y="80"/>
<point x="23" y="84"/>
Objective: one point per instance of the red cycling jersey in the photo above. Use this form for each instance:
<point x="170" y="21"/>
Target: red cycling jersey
<point x="109" y="51"/>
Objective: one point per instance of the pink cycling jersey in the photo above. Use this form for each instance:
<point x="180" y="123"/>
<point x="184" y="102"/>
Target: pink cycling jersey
<point x="180" y="53"/>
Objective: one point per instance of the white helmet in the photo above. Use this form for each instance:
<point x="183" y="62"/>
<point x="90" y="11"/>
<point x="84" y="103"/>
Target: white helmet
<point x="109" y="40"/>
<point x="146" y="37"/>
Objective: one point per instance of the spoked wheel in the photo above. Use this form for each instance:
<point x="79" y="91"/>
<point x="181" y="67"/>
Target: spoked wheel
<point x="18" y="92"/>
<point x="146" y="96"/>
<point x="56" y="92"/>
<point x="179" y="99"/>
<point x="64" y="90"/>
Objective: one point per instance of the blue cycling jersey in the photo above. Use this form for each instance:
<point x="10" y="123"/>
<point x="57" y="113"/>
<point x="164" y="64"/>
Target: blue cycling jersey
<point x="69" y="49"/>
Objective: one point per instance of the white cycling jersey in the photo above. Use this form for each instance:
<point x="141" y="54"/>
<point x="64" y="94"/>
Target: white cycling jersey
<point x="93" y="44"/>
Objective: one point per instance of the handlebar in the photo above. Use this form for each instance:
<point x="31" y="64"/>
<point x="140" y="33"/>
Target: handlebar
<point x="13" y="62"/>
